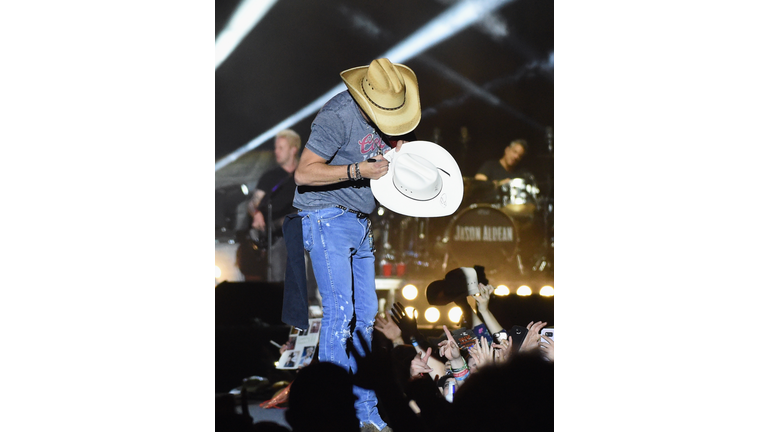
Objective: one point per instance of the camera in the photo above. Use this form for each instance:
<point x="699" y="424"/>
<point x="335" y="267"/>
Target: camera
<point x="548" y="332"/>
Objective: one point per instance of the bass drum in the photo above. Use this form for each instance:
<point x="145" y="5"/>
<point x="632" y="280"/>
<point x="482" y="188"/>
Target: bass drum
<point x="483" y="235"/>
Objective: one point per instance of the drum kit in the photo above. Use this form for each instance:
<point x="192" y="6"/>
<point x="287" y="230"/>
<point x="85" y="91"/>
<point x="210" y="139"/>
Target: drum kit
<point x="500" y="228"/>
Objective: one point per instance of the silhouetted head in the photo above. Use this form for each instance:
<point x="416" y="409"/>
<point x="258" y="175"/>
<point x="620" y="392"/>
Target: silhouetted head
<point x="321" y="398"/>
<point x="506" y="394"/>
<point x="269" y="426"/>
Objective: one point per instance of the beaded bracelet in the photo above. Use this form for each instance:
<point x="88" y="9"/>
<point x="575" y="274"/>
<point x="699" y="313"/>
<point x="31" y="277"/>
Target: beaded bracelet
<point x="358" y="176"/>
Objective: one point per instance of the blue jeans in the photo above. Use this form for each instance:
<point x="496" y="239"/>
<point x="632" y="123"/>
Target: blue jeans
<point x="340" y="245"/>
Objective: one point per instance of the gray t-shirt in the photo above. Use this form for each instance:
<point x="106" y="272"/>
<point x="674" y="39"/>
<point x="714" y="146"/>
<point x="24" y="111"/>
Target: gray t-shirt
<point x="341" y="135"/>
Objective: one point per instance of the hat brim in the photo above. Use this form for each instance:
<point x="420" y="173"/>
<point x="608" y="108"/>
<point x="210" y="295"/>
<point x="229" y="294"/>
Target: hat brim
<point x="444" y="204"/>
<point x="442" y="292"/>
<point x="394" y="122"/>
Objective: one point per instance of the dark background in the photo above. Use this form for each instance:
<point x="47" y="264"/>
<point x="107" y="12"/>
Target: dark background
<point x="496" y="85"/>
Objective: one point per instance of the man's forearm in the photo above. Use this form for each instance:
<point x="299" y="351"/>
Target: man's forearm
<point x="320" y="174"/>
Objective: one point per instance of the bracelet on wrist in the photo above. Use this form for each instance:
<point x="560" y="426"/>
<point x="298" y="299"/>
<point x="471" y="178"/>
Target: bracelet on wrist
<point x="459" y="369"/>
<point x="461" y="374"/>
<point x="358" y="176"/>
<point x="461" y="377"/>
<point x="348" y="174"/>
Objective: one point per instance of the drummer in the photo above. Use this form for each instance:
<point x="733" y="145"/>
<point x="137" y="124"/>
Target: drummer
<point x="501" y="171"/>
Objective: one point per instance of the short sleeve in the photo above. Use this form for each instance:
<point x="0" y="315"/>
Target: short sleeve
<point x="485" y="169"/>
<point x="327" y="135"/>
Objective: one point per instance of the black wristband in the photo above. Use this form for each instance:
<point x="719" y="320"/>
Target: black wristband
<point x="348" y="175"/>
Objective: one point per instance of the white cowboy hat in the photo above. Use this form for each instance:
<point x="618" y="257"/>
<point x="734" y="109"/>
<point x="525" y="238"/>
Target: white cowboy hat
<point x="423" y="181"/>
<point x="388" y="94"/>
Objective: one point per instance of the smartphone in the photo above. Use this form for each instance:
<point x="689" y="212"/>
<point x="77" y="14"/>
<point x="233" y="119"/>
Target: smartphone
<point x="465" y="338"/>
<point x="549" y="332"/>
<point x="518" y="334"/>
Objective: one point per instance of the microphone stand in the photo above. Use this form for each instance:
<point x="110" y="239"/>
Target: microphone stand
<point x="544" y="261"/>
<point x="269" y="239"/>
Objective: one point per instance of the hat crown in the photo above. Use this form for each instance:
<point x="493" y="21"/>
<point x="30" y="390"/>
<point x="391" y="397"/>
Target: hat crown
<point x="416" y="177"/>
<point x="384" y="85"/>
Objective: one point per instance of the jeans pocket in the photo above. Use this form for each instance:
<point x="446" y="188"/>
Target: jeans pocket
<point x="306" y="233"/>
<point x="329" y="214"/>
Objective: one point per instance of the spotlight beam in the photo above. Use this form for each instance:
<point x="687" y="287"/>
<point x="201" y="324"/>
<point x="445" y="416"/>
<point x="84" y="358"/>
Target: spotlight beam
<point x="243" y="20"/>
<point x="475" y="90"/>
<point x="445" y="25"/>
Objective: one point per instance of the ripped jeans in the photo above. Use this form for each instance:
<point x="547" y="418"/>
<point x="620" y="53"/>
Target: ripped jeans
<point x="340" y="245"/>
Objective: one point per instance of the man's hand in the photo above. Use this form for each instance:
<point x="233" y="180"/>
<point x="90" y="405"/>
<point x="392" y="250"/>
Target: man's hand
<point x="373" y="170"/>
<point x="258" y="221"/>
<point x="531" y="341"/>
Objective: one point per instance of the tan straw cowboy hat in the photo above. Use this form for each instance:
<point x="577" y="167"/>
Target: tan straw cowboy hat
<point x="387" y="93"/>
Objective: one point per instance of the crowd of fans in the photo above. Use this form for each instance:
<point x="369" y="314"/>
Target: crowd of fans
<point x="483" y="381"/>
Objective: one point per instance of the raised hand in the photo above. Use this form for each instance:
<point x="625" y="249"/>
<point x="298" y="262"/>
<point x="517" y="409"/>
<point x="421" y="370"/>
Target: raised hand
<point x="407" y="325"/>
<point x="373" y="368"/>
<point x="419" y="363"/>
<point x="482" y="353"/>
<point x="483" y="296"/>
<point x="547" y="349"/>
<point x="504" y="350"/>
<point x="449" y="348"/>
<point x="387" y="326"/>
<point x="531" y="341"/>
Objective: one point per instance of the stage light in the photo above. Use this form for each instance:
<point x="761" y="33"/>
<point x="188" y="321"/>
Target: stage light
<point x="410" y="311"/>
<point x="455" y="314"/>
<point x="218" y="272"/>
<point x="445" y="25"/>
<point x="244" y="189"/>
<point x="243" y="20"/>
<point x="547" y="291"/>
<point x="410" y="292"/>
<point x="524" y="290"/>
<point x="501" y="290"/>
<point x="432" y="314"/>
<point x="380" y="212"/>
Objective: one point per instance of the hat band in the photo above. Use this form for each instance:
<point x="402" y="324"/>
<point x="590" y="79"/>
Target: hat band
<point x="377" y="105"/>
